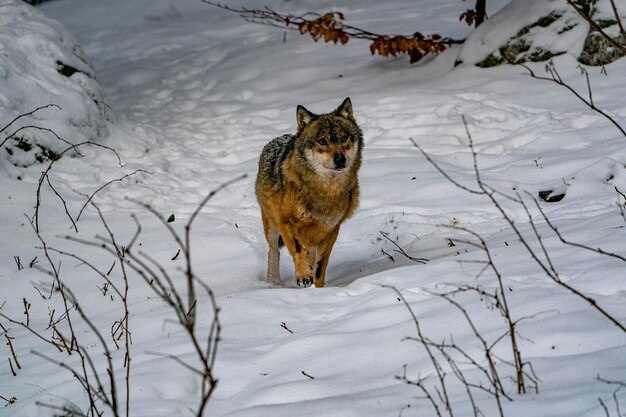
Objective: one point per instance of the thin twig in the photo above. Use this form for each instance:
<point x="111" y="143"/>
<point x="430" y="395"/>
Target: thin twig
<point x="427" y="346"/>
<point x="604" y="407"/>
<point x="556" y="231"/>
<point x="556" y="78"/>
<point x="622" y="206"/>
<point x="270" y="17"/>
<point x="443" y="172"/>
<point x="67" y="213"/>
<point x="44" y="174"/>
<point x="619" y="21"/>
<point x="26" y="115"/>
<point x="284" y="326"/>
<point x="106" y="185"/>
<point x="43" y="129"/>
<point x="402" y="251"/>
<point x="177" y="360"/>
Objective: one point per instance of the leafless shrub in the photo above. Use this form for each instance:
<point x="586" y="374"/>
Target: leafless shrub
<point x="498" y="301"/>
<point x="477" y="374"/>
<point x="542" y="258"/>
<point x="98" y="373"/>
<point x="61" y="333"/>
<point x="157" y="277"/>
<point x="484" y="189"/>
<point x="547" y="264"/>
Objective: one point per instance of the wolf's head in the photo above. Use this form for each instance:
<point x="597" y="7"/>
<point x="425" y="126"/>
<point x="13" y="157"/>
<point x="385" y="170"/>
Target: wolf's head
<point x="330" y="143"/>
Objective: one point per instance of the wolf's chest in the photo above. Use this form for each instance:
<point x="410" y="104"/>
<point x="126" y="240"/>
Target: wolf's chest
<point x="327" y="210"/>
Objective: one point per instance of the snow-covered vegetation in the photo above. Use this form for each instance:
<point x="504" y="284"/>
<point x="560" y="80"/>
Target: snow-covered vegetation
<point x="193" y="93"/>
<point x="41" y="64"/>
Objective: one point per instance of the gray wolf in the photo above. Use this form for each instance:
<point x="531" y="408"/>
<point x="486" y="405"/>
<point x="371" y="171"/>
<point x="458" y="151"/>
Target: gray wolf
<point x="307" y="186"/>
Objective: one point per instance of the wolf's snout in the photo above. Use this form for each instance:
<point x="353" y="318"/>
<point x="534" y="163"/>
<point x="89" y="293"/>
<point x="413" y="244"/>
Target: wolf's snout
<point x="339" y="159"/>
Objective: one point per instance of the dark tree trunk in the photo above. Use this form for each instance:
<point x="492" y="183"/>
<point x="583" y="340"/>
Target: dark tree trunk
<point x="481" y="12"/>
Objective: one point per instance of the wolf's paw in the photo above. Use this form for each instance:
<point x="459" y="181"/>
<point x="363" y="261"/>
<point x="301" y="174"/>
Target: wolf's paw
<point x="305" y="281"/>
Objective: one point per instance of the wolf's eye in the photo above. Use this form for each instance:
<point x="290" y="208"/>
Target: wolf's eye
<point x="323" y="142"/>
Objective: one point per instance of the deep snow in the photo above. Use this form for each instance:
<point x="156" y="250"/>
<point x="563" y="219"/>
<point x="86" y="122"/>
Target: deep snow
<point x="197" y="93"/>
<point x="37" y="56"/>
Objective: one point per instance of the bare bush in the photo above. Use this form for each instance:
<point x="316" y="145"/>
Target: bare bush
<point x="541" y="257"/>
<point x="478" y="374"/>
<point x="104" y="374"/>
<point x="543" y="260"/>
<point x="62" y="335"/>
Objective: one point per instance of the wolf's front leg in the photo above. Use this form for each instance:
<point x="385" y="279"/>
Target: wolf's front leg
<point x="323" y="254"/>
<point x="304" y="260"/>
<point x="301" y="256"/>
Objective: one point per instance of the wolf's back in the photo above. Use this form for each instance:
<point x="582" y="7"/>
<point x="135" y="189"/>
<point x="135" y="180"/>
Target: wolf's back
<point x="272" y="157"/>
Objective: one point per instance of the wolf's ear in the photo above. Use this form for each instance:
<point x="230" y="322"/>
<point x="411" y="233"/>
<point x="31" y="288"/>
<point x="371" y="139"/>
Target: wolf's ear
<point x="345" y="110"/>
<point x="304" y="117"/>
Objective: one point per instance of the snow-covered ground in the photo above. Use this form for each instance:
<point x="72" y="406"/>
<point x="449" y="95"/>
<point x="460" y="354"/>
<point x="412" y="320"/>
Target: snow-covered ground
<point x="41" y="64"/>
<point x="196" y="94"/>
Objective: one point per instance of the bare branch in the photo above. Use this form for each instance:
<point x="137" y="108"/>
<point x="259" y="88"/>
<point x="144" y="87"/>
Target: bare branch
<point x="556" y="78"/>
<point x="428" y="347"/>
<point x="331" y="28"/>
<point x="619" y="21"/>
<point x="67" y="213"/>
<point x="597" y="27"/>
<point x="443" y="172"/>
<point x="622" y="206"/>
<point x="556" y="231"/>
<point x="26" y="115"/>
<point x="44" y="129"/>
<point x="611" y="382"/>
<point x="44" y="174"/>
<point x="401" y="251"/>
<point x="106" y="185"/>
<point x="187" y="252"/>
<point x="547" y="265"/>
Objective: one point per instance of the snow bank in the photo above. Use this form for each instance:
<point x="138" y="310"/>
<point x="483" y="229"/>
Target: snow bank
<point x="526" y="30"/>
<point x="40" y="64"/>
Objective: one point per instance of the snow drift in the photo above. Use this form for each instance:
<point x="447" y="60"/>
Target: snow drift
<point x="40" y="64"/>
